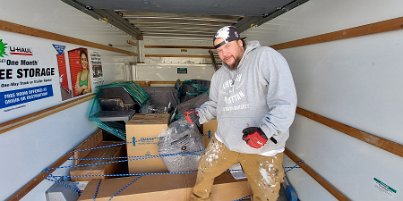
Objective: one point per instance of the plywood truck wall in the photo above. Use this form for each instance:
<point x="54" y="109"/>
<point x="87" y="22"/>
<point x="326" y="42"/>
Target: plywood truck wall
<point x="353" y="85"/>
<point x="355" y="81"/>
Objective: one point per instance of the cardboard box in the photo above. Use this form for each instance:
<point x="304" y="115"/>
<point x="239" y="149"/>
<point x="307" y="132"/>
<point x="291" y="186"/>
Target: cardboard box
<point x="93" y="141"/>
<point x="111" y="168"/>
<point x="163" y="187"/>
<point x="209" y="130"/>
<point x="145" y="129"/>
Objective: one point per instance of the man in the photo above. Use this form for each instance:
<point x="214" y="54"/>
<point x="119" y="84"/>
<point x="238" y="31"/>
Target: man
<point x="253" y="98"/>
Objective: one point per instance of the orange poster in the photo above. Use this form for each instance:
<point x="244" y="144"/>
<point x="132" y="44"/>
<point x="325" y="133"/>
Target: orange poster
<point x="79" y="71"/>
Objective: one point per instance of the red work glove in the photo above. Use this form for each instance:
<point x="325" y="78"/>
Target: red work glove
<point x="254" y="137"/>
<point x="192" y="117"/>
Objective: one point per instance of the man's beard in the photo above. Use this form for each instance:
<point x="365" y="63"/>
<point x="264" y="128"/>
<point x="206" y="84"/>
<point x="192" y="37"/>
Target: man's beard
<point x="235" y="65"/>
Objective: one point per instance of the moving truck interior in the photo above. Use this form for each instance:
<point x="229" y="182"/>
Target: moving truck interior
<point x="346" y="59"/>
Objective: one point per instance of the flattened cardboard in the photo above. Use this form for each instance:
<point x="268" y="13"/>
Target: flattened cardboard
<point x="90" y="142"/>
<point x="145" y="129"/>
<point x="111" y="168"/>
<point x="164" y="187"/>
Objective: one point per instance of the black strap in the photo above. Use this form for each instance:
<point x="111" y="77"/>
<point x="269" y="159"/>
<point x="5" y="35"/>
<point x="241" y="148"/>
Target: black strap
<point x="220" y="44"/>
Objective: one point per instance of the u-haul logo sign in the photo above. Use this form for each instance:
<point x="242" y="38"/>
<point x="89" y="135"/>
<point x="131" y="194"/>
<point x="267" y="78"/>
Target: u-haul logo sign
<point x="17" y="50"/>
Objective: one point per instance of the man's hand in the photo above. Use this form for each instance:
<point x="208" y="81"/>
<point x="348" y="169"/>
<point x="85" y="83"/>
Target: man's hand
<point x="254" y="137"/>
<point x="192" y="117"/>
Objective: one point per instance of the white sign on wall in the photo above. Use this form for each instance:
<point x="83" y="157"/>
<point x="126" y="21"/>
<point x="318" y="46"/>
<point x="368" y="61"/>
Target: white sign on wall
<point x="97" y="72"/>
<point x="37" y="73"/>
<point x="29" y="78"/>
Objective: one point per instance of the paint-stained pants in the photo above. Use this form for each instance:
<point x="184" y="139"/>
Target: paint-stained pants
<point x="265" y="174"/>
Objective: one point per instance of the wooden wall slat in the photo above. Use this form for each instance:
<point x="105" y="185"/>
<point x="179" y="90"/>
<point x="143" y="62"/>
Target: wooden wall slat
<point x="161" y="82"/>
<point x="177" y="55"/>
<point x="373" y="28"/>
<point x="387" y="145"/>
<point x="179" y="47"/>
<point x="322" y="181"/>
<point x="156" y="82"/>
<point x="16" y="28"/>
<point x="141" y="83"/>
<point x="18" y="195"/>
<point x="18" y="122"/>
<point x="38" y="179"/>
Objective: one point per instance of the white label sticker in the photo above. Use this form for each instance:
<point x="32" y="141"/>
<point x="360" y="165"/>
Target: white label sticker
<point x="390" y="192"/>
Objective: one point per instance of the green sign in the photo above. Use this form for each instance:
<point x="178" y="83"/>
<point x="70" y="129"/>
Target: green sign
<point x="182" y="70"/>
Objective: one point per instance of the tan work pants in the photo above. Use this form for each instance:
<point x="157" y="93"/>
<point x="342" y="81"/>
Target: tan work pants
<point x="265" y="174"/>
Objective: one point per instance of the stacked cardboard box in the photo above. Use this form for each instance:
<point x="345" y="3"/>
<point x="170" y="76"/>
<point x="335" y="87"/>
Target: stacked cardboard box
<point x="83" y="173"/>
<point x="84" y="147"/>
<point x="98" y="167"/>
<point x="143" y="130"/>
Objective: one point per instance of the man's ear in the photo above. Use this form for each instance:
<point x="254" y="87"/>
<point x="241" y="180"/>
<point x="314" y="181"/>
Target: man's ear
<point x="240" y="43"/>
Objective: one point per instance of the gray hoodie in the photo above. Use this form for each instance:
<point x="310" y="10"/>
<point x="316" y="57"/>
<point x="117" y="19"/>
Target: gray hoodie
<point x="259" y="93"/>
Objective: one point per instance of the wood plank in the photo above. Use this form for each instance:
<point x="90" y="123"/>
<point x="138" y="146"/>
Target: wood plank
<point x="21" y="121"/>
<point x="38" y="179"/>
<point x="387" y="145"/>
<point x="373" y="28"/>
<point x="179" y="46"/>
<point x="322" y="181"/>
<point x="90" y="142"/>
<point x="155" y="82"/>
<point x="177" y="55"/>
<point x="141" y="83"/>
<point x="102" y="169"/>
<point x="16" y="28"/>
<point x="161" y="82"/>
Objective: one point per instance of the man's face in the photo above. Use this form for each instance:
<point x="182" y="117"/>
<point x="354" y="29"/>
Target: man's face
<point x="230" y="53"/>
